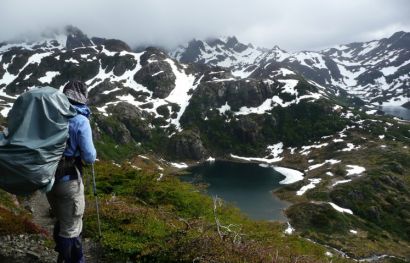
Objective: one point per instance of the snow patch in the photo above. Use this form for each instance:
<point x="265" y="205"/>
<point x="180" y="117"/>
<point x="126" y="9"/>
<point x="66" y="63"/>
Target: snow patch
<point x="210" y="159"/>
<point x="340" y="209"/>
<point x="49" y="77"/>
<point x="289" y="230"/>
<point x="143" y="157"/>
<point x="224" y="108"/>
<point x="257" y="159"/>
<point x="350" y="147"/>
<point x="180" y="94"/>
<point x="311" y="185"/>
<point x="276" y="149"/>
<point x="331" y="162"/>
<point x="274" y="155"/>
<point x="342" y="182"/>
<point x="306" y="149"/>
<point x="291" y="175"/>
<point x="354" y="170"/>
<point x="179" y="165"/>
<point x="6" y="108"/>
<point x="371" y="112"/>
<point x="157" y="73"/>
<point x="290" y="85"/>
<point x="71" y="60"/>
<point x="161" y="175"/>
<point x="286" y="72"/>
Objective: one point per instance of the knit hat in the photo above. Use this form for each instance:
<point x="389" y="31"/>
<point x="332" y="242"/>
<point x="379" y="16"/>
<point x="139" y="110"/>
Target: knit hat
<point x="76" y="91"/>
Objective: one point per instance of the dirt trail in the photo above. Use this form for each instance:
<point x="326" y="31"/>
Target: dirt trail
<point x="41" y="216"/>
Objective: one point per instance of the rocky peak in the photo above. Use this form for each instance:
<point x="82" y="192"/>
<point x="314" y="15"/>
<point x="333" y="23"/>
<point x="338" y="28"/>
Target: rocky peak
<point x="76" y="38"/>
<point x="399" y="40"/>
<point x="117" y="45"/>
<point x="231" y="42"/>
<point x="191" y="53"/>
<point x="213" y="42"/>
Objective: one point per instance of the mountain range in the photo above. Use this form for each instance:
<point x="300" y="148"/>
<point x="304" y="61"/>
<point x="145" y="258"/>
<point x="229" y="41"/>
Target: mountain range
<point x="376" y="71"/>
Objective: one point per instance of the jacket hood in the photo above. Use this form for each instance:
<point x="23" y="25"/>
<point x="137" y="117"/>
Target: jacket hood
<point x="83" y="110"/>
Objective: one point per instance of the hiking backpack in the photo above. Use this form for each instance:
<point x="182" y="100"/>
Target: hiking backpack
<point x="34" y="142"/>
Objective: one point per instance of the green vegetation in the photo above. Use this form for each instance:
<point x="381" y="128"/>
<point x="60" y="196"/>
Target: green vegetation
<point x="306" y="122"/>
<point x="108" y="149"/>
<point x="382" y="199"/>
<point x="146" y="220"/>
<point x="295" y="125"/>
<point x="379" y="198"/>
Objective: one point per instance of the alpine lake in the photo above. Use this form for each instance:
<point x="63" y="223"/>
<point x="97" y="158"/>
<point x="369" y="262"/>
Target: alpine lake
<point x="248" y="186"/>
<point x="397" y="111"/>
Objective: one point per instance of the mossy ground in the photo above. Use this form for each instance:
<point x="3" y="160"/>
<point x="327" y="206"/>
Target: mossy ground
<point x="379" y="198"/>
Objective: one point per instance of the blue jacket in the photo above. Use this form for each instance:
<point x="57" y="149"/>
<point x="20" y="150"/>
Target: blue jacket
<point x="81" y="140"/>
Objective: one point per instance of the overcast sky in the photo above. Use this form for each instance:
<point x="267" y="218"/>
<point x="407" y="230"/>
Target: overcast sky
<point x="293" y="25"/>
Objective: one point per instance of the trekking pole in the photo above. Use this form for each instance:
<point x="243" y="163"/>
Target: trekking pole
<point x="96" y="201"/>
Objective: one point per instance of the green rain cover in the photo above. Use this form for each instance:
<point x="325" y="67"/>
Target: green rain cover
<point x="35" y="141"/>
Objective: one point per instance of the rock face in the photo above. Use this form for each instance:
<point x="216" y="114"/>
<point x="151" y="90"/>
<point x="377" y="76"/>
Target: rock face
<point x="187" y="145"/>
<point x="191" y="53"/>
<point x="115" y="130"/>
<point x="156" y="74"/>
<point x="135" y="120"/>
<point x="237" y="94"/>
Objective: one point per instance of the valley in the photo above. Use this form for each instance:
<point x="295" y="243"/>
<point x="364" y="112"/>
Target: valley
<point x="158" y="112"/>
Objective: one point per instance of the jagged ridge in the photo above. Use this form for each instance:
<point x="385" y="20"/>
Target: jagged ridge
<point x="376" y="71"/>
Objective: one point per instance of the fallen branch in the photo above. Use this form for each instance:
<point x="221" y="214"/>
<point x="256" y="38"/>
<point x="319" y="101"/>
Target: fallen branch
<point x="224" y="230"/>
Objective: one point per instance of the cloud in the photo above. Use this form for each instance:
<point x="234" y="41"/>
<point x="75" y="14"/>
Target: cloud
<point x="293" y="24"/>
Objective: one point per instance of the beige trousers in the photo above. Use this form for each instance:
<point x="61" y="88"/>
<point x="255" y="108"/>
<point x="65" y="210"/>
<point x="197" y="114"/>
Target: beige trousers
<point x="67" y="203"/>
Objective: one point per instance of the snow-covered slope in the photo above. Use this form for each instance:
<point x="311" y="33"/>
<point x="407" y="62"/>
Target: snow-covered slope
<point x="224" y="52"/>
<point x="113" y="76"/>
<point x="149" y="97"/>
<point x="377" y="71"/>
<point x="150" y="80"/>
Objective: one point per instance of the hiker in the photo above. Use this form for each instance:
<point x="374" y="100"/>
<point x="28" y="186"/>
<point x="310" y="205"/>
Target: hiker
<point x="66" y="198"/>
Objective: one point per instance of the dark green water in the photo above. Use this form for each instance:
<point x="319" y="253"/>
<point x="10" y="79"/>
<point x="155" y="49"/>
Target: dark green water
<point x="247" y="185"/>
